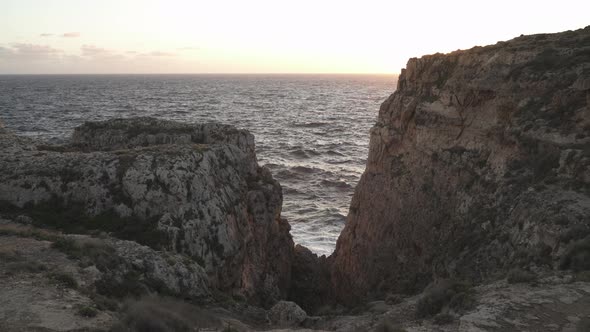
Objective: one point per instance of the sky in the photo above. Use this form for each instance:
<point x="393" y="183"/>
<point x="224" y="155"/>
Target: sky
<point x="259" y="36"/>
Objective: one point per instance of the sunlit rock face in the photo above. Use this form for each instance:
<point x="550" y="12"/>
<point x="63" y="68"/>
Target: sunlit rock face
<point x="194" y="189"/>
<point x="480" y="161"/>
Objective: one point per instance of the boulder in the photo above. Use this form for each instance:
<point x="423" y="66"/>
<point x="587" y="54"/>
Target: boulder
<point x="286" y="314"/>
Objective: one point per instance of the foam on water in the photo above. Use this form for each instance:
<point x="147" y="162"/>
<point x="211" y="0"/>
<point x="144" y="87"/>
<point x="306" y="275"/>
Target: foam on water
<point x="312" y="131"/>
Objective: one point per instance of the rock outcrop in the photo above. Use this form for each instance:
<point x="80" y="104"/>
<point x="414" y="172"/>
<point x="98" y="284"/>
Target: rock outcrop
<point x="190" y="189"/>
<point x="479" y="162"/>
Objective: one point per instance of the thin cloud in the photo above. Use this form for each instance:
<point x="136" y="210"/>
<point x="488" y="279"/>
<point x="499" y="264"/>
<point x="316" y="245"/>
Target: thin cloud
<point x="71" y="35"/>
<point x="46" y="35"/>
<point x="99" y="53"/>
<point x="160" y="53"/>
<point x="31" y="52"/>
<point x="189" y="48"/>
<point x="91" y="50"/>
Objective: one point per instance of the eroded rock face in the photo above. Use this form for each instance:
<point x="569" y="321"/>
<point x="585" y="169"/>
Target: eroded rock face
<point x="478" y="162"/>
<point x="192" y="189"/>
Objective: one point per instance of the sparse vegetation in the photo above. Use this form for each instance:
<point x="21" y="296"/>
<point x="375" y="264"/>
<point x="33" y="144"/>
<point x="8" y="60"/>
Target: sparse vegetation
<point x="576" y="232"/>
<point x="583" y="325"/>
<point x="28" y="231"/>
<point x="443" y="318"/>
<point x="71" y="217"/>
<point x="128" y="285"/>
<point x="516" y="276"/>
<point x="387" y="325"/>
<point x="87" y="311"/>
<point x="164" y="315"/>
<point x="90" y="251"/>
<point x="445" y="294"/>
<point x="104" y="303"/>
<point x="577" y="256"/>
<point x="25" y="266"/>
<point x="392" y="299"/>
<point x="64" y="278"/>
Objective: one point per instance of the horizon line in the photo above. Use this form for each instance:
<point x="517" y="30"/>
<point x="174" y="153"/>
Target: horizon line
<point x="229" y="73"/>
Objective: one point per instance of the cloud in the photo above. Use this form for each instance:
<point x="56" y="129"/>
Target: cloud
<point x="46" y="35"/>
<point x="23" y="51"/>
<point x="99" y="53"/>
<point x="71" y="35"/>
<point x="160" y="53"/>
<point x="91" y="51"/>
<point x="189" y="48"/>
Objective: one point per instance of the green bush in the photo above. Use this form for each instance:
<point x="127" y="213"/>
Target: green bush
<point x="64" y="279"/>
<point x="516" y="276"/>
<point x="444" y="293"/>
<point x="86" y="311"/>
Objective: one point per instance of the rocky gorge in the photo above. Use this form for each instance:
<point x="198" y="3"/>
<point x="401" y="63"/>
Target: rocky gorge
<point x="473" y="214"/>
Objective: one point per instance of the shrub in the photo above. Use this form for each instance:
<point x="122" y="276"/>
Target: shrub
<point x="129" y="285"/>
<point x="577" y="256"/>
<point x="516" y="276"/>
<point x="86" y="311"/>
<point x="104" y="303"/>
<point x="582" y="276"/>
<point x="10" y="256"/>
<point x="443" y="319"/>
<point x="25" y="266"/>
<point x="90" y="251"/>
<point x="392" y="299"/>
<point x="456" y="295"/>
<point x="576" y="232"/>
<point x="28" y="231"/>
<point x="583" y="325"/>
<point x="64" y="279"/>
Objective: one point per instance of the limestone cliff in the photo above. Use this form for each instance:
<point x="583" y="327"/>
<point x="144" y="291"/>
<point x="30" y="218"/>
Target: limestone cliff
<point x="190" y="189"/>
<point x="480" y="161"/>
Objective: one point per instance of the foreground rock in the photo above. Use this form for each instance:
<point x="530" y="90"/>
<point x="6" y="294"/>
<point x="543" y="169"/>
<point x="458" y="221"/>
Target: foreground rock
<point x="478" y="163"/>
<point x="190" y="189"/>
<point x="555" y="302"/>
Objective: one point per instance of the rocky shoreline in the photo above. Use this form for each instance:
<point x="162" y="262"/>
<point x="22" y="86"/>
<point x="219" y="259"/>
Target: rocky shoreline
<point x="473" y="214"/>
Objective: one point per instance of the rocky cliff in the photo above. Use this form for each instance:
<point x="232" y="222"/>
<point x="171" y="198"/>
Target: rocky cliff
<point x="479" y="162"/>
<point x="195" y="190"/>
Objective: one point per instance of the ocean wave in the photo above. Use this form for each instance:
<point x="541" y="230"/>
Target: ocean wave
<point x="335" y="184"/>
<point x="311" y="124"/>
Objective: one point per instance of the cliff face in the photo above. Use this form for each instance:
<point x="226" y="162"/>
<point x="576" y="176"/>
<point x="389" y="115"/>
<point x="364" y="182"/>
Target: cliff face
<point x="190" y="189"/>
<point x="480" y="161"/>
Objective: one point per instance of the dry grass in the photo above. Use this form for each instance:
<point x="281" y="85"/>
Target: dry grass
<point x="28" y="231"/>
<point x="164" y="315"/>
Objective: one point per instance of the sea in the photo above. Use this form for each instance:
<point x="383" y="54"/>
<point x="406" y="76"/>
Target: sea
<point x="312" y="131"/>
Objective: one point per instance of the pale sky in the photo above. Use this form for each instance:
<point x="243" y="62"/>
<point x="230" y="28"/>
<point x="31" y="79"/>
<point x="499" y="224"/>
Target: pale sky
<point x="259" y="36"/>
